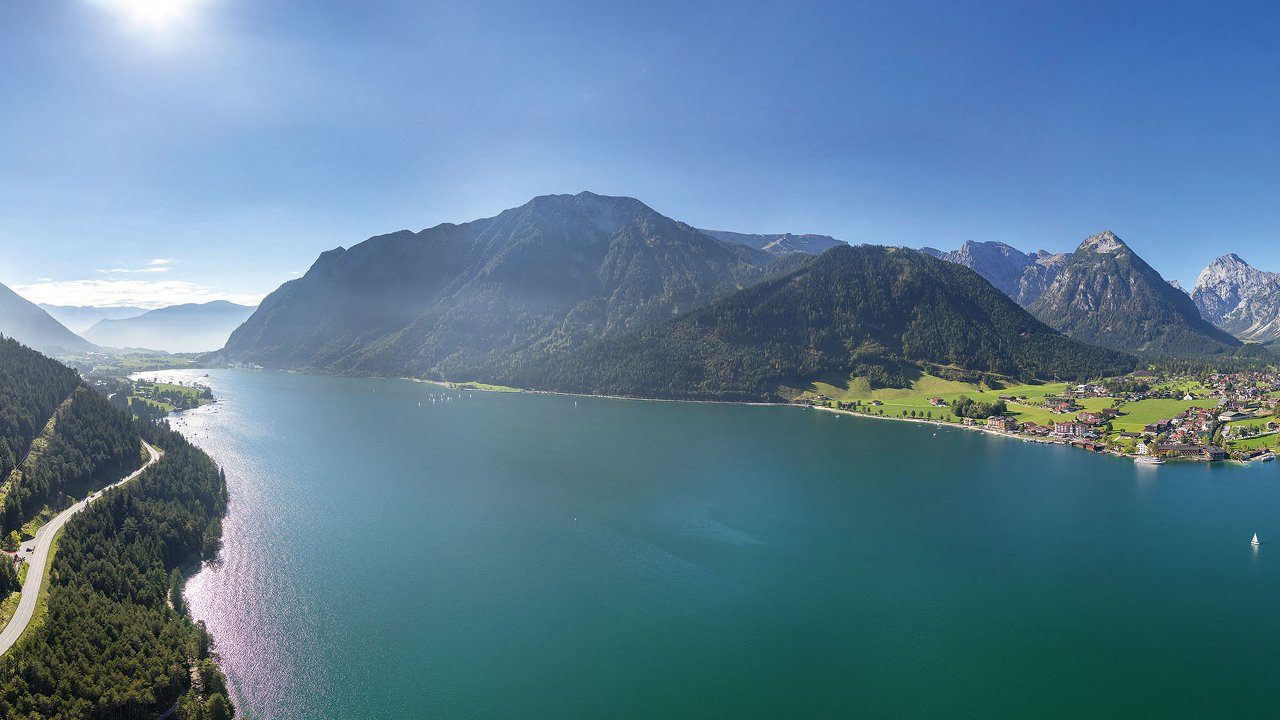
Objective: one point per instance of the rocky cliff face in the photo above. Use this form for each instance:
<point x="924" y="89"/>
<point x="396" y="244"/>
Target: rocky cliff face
<point x="1105" y="294"/>
<point x="1240" y="299"/>
<point x="1021" y="276"/>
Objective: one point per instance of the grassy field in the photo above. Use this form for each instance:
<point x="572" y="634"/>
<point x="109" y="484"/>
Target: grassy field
<point x="484" y="386"/>
<point x="1253" y="443"/>
<point x="1183" y="387"/>
<point x="1144" y="412"/>
<point x="164" y="406"/>
<point x="916" y="397"/>
<point x="847" y="389"/>
<point x="177" y="389"/>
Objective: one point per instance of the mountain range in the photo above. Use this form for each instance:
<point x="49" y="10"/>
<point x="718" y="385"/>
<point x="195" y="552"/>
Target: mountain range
<point x="540" y="294"/>
<point x="1106" y="295"/>
<point x="471" y="299"/>
<point x="1021" y="276"/>
<point x="27" y="323"/>
<point x="193" y="327"/>
<point x="1240" y="299"/>
<point x="78" y="318"/>
<point x="878" y="312"/>
<point x="1116" y="299"/>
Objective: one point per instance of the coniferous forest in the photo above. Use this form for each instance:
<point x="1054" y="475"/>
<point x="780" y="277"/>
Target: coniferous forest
<point x="92" y="445"/>
<point x="116" y="641"/>
<point x="111" y="645"/>
<point x="31" y="387"/>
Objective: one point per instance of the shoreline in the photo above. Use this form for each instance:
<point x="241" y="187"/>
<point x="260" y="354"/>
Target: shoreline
<point x="936" y="423"/>
<point x="835" y="411"/>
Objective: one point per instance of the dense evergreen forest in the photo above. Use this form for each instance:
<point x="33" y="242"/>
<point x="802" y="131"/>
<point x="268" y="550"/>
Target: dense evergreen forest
<point x="876" y="312"/>
<point x="116" y="642"/>
<point x="92" y="445"/>
<point x="31" y="388"/>
<point x="111" y="645"/>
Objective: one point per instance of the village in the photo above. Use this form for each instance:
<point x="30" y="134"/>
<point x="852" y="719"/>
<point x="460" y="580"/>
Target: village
<point x="1208" y="418"/>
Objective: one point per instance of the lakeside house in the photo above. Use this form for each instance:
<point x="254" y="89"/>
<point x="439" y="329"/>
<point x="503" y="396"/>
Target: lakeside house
<point x="1035" y="430"/>
<point x="1068" y="429"/>
<point x="1002" y="423"/>
<point x="937" y="402"/>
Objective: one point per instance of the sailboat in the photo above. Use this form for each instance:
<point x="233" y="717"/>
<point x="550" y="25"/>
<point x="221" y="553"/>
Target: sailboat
<point x="1256" y="541"/>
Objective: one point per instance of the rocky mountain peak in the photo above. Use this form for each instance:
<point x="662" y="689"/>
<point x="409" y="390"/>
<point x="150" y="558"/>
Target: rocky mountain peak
<point x="1239" y="298"/>
<point x="1107" y="295"/>
<point x="1104" y="243"/>
<point x="1022" y="276"/>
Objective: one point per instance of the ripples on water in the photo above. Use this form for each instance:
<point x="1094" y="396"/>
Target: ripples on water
<point x="546" y="557"/>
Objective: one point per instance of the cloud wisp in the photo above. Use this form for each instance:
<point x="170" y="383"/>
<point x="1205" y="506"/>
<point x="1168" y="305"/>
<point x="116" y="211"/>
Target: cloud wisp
<point x="158" y="265"/>
<point x="135" y="293"/>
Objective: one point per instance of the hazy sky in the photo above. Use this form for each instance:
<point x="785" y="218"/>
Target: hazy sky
<point x="163" y="150"/>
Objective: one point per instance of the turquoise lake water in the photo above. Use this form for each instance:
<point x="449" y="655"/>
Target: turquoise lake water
<point x="531" y="556"/>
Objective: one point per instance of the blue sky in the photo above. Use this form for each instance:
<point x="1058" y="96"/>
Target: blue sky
<point x="162" y="150"/>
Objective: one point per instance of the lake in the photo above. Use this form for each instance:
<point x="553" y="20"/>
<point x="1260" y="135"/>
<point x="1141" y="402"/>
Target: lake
<point x="397" y="550"/>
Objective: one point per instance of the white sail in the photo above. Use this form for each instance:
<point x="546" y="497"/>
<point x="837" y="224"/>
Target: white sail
<point x="1255" y="539"/>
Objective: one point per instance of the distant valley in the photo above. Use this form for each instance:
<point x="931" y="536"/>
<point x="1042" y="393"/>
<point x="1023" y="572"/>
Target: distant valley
<point x="30" y="325"/>
<point x="176" y="329"/>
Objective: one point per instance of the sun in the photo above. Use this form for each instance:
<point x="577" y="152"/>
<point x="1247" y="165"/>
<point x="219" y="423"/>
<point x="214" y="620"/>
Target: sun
<point x="156" y="15"/>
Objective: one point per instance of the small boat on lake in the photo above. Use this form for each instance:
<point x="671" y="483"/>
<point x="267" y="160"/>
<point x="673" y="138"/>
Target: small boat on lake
<point x="1255" y="540"/>
<point x="1148" y="460"/>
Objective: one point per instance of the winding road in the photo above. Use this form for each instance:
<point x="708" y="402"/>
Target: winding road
<point x="36" y="553"/>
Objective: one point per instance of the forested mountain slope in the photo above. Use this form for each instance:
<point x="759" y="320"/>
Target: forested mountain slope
<point x="1105" y="294"/>
<point x="31" y="388"/>
<point x="874" y="311"/>
<point x="462" y="301"/>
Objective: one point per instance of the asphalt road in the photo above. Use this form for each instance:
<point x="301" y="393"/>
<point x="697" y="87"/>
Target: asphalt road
<point x="36" y="552"/>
